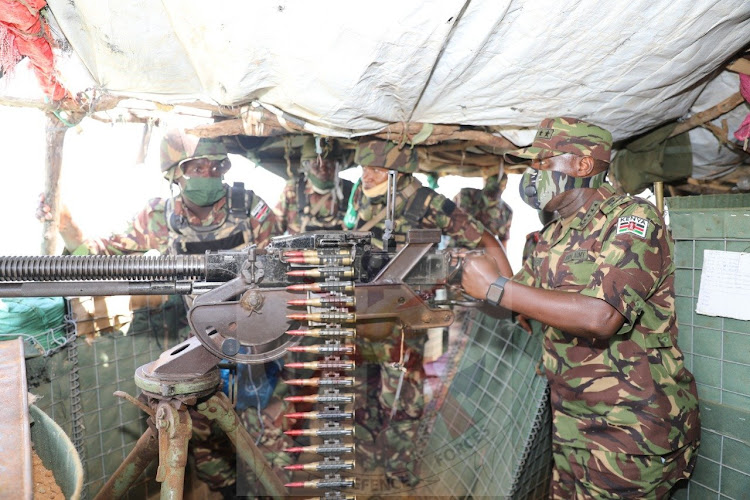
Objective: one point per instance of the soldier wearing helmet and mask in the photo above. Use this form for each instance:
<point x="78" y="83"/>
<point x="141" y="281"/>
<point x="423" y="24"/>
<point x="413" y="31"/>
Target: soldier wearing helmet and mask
<point x="386" y="424"/>
<point x="203" y="214"/>
<point x="316" y="199"/>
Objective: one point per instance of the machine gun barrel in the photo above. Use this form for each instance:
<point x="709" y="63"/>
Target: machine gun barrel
<point x="71" y="275"/>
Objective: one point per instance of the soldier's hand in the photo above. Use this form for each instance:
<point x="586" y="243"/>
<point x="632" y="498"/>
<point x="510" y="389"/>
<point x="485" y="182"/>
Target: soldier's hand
<point x="523" y="322"/>
<point x="43" y="211"/>
<point x="479" y="271"/>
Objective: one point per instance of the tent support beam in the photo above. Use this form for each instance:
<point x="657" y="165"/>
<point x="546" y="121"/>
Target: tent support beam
<point x="699" y="119"/>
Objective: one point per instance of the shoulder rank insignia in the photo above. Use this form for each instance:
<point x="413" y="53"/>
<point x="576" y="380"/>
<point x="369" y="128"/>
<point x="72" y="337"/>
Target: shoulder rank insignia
<point x="260" y="211"/>
<point x="632" y="224"/>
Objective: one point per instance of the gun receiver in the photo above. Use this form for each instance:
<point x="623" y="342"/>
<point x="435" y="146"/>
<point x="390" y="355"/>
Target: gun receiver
<point x="244" y="298"/>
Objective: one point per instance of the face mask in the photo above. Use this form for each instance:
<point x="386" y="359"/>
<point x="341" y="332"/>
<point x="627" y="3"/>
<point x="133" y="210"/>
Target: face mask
<point x="376" y="191"/>
<point x="320" y="186"/>
<point x="203" y="191"/>
<point x="539" y="187"/>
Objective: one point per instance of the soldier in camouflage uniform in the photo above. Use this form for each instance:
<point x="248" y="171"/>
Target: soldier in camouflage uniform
<point x="487" y="205"/>
<point x="206" y="214"/>
<point x="382" y="440"/>
<point x="601" y="279"/>
<point x="316" y="199"/>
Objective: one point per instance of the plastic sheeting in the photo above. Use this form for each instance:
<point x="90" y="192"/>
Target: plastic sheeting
<point x="354" y="66"/>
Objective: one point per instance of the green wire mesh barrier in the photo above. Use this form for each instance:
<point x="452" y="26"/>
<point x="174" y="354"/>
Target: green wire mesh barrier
<point x="77" y="390"/>
<point x="490" y="436"/>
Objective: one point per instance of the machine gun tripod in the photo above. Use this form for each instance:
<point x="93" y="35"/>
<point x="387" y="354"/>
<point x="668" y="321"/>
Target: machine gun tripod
<point x="239" y="315"/>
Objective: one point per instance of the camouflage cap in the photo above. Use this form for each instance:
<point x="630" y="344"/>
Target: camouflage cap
<point x="559" y="136"/>
<point x="385" y="154"/>
<point x="178" y="147"/>
<point x="330" y="147"/>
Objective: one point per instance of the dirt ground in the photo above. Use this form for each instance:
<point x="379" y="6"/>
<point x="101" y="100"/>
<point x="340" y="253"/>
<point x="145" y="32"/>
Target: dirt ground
<point x="45" y="486"/>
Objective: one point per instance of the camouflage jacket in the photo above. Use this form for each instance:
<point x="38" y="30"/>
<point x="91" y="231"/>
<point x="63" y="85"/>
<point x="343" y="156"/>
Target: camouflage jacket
<point x="320" y="212"/>
<point x="632" y="393"/>
<point x="167" y="226"/>
<point x="488" y="208"/>
<point x="438" y="212"/>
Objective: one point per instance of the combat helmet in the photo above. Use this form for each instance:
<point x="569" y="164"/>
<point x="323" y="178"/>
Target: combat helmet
<point x="178" y="147"/>
<point x="386" y="154"/>
<point x="330" y="148"/>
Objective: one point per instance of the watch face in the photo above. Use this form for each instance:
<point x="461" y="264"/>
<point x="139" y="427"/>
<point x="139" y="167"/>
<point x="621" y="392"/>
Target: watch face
<point x="494" y="294"/>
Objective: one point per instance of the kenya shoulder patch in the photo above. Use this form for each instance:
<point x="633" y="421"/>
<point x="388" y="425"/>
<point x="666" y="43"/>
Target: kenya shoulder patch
<point x="632" y="224"/>
<point x="260" y="211"/>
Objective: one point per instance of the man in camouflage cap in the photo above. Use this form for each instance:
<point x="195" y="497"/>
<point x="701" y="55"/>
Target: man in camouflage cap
<point x="487" y="205"/>
<point x="385" y="425"/>
<point x="601" y="279"/>
<point x="316" y="199"/>
<point x="205" y="214"/>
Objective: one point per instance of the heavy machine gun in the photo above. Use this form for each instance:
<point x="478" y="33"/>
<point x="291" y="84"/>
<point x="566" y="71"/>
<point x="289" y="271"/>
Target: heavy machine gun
<point x="242" y="296"/>
<point x="250" y="306"/>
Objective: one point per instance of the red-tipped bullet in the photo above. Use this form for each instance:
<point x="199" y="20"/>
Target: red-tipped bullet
<point x="334" y="316"/>
<point x="321" y="466"/>
<point x="323" y="349"/>
<point x="323" y="449"/>
<point x="333" y="431"/>
<point x="323" y="483"/>
<point x="331" y="300"/>
<point x="327" y="260"/>
<point x="321" y="398"/>
<point x="320" y="415"/>
<point x="324" y="332"/>
<point x="323" y="286"/>
<point x="322" y="365"/>
<point x="316" y="253"/>
<point x="322" y="381"/>
<point x="346" y="272"/>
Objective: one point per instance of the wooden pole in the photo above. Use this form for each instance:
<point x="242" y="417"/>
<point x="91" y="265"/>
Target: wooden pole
<point x="659" y="194"/>
<point x="55" y="135"/>
<point x="709" y="114"/>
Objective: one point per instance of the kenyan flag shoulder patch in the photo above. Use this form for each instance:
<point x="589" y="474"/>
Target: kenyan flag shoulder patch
<point x="261" y="211"/>
<point x="632" y="224"/>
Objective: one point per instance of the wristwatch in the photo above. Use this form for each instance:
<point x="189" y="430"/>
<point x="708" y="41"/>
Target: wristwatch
<point x="495" y="293"/>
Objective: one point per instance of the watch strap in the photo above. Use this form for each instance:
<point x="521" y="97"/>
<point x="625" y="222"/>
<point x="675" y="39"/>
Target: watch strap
<point x="495" y="292"/>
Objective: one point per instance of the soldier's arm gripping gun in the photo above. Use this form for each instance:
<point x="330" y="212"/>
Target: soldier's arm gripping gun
<point x="247" y="300"/>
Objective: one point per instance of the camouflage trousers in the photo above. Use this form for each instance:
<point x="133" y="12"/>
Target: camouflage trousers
<point x="382" y="440"/>
<point x="591" y="474"/>
<point x="213" y="452"/>
<point x="267" y="429"/>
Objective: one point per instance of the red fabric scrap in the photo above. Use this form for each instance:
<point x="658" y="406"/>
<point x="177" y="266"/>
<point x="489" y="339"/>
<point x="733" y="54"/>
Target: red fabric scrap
<point x="29" y="36"/>
<point x="18" y="15"/>
<point x="743" y="133"/>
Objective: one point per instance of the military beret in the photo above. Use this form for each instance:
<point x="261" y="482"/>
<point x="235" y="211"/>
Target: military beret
<point x="558" y="136"/>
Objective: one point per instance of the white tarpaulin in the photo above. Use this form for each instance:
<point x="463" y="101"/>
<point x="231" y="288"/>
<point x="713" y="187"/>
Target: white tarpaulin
<point x="357" y="66"/>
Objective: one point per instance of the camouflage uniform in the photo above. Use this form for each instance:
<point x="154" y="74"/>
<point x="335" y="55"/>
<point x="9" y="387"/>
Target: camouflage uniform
<point x="380" y="442"/>
<point x="165" y="225"/>
<point x="238" y="219"/>
<point x="303" y="206"/>
<point x="625" y="410"/>
<point x="487" y="206"/>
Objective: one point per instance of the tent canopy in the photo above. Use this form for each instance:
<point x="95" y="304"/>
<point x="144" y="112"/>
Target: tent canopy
<point x="346" y="69"/>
